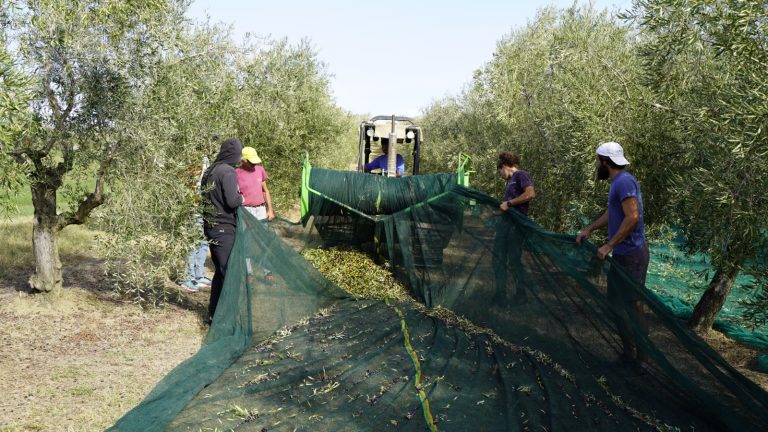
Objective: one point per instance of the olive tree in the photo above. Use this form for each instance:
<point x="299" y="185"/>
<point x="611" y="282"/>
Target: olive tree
<point x="271" y="95"/>
<point x="14" y="98"/>
<point x="287" y="109"/>
<point x="464" y="124"/>
<point x="554" y="90"/>
<point x="707" y="62"/>
<point x="187" y="103"/>
<point x="86" y="59"/>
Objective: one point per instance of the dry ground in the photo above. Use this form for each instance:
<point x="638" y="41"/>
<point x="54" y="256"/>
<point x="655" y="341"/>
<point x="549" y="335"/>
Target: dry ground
<point x="740" y="356"/>
<point x="83" y="363"/>
<point x="79" y="363"/>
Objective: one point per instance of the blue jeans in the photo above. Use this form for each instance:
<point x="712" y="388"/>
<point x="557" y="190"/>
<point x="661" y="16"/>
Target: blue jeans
<point x="196" y="259"/>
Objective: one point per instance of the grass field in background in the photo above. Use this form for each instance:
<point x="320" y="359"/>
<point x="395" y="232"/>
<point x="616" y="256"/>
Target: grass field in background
<point x="20" y="203"/>
<point x="74" y="241"/>
<point x="16" y="232"/>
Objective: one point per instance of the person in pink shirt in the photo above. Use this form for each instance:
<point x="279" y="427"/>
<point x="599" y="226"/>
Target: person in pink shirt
<point x="252" y="179"/>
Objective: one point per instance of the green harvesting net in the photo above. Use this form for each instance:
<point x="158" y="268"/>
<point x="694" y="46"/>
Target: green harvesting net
<point x="512" y="329"/>
<point x="670" y="278"/>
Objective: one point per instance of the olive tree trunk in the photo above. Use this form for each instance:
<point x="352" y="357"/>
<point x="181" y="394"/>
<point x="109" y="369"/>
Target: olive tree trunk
<point x="712" y="301"/>
<point x="45" y="231"/>
<point x="47" y="224"/>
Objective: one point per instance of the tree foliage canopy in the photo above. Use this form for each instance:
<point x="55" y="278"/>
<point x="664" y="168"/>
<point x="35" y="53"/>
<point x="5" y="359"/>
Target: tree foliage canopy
<point x="551" y="93"/>
<point x="680" y="84"/>
<point x="270" y="94"/>
<point x="708" y="62"/>
<point x="14" y="97"/>
<point x="84" y="61"/>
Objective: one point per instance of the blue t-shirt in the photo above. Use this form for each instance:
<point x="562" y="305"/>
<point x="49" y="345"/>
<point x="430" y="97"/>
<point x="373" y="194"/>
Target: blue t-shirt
<point x="516" y="186"/>
<point x="624" y="186"/>
<point x="381" y="163"/>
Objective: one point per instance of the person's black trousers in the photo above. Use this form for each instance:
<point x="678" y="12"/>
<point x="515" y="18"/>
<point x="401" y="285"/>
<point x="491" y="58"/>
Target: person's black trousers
<point x="221" y="239"/>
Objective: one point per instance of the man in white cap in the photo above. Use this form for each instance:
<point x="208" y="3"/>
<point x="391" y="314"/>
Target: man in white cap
<point x="626" y="239"/>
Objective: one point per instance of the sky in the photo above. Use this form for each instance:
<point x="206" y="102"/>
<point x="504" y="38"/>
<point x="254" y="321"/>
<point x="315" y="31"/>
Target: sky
<point x="388" y="57"/>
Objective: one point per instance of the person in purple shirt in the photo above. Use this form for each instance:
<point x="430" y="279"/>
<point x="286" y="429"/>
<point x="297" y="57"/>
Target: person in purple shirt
<point x="508" y="243"/>
<point x="381" y="161"/>
<point x="519" y="190"/>
<point x="626" y="239"/>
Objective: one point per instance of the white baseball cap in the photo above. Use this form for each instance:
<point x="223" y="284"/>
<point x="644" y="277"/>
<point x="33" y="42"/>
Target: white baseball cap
<point x="613" y="151"/>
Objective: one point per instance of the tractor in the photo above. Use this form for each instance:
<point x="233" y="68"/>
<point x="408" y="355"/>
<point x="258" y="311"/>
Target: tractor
<point x="393" y="131"/>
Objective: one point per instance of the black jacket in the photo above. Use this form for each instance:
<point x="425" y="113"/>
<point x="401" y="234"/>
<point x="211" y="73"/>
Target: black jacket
<point x="221" y="195"/>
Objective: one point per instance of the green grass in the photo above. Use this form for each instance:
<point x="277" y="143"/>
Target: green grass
<point x="66" y="373"/>
<point x="16" y="253"/>
<point x="20" y="203"/>
<point x="81" y="391"/>
<point x="16" y="230"/>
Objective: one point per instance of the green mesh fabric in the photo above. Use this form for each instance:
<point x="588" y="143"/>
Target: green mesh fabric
<point x="376" y="195"/>
<point x="513" y="329"/>
<point x="669" y="277"/>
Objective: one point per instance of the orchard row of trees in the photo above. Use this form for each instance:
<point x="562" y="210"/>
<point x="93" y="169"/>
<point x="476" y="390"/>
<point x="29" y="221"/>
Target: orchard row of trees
<point x="109" y="106"/>
<point x="682" y="85"/>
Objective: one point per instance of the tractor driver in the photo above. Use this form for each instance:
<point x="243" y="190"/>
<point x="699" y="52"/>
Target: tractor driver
<point x="381" y="161"/>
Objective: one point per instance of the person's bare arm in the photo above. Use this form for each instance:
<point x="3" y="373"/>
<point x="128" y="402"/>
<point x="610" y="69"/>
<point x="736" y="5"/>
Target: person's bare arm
<point x="586" y="232"/>
<point x="631" y="217"/>
<point x="528" y="194"/>
<point x="268" y="199"/>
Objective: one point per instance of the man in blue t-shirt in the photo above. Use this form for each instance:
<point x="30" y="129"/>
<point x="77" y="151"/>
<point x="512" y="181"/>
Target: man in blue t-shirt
<point x="508" y="243"/>
<point x="381" y="161"/>
<point x="626" y="238"/>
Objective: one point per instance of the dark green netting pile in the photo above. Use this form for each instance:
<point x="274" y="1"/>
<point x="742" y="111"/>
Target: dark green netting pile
<point x="299" y="353"/>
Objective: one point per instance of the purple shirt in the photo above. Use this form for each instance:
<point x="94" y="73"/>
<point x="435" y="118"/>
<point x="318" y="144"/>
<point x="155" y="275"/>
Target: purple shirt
<point x="624" y="186"/>
<point x="516" y="186"/>
<point x="381" y="163"/>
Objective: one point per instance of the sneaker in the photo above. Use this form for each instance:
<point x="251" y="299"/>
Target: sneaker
<point x="204" y="282"/>
<point x="190" y="286"/>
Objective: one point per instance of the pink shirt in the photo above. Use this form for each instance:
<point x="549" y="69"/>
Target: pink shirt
<point x="250" y="185"/>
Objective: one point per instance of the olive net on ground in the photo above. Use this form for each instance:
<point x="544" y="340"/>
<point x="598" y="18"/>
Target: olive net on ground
<point x="677" y="280"/>
<point x="512" y="328"/>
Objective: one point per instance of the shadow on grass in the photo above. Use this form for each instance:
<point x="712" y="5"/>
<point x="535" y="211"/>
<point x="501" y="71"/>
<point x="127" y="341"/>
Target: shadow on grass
<point x="87" y="273"/>
<point x="78" y="271"/>
<point x="195" y="302"/>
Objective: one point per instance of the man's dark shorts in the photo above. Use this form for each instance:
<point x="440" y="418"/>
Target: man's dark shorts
<point x="636" y="265"/>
